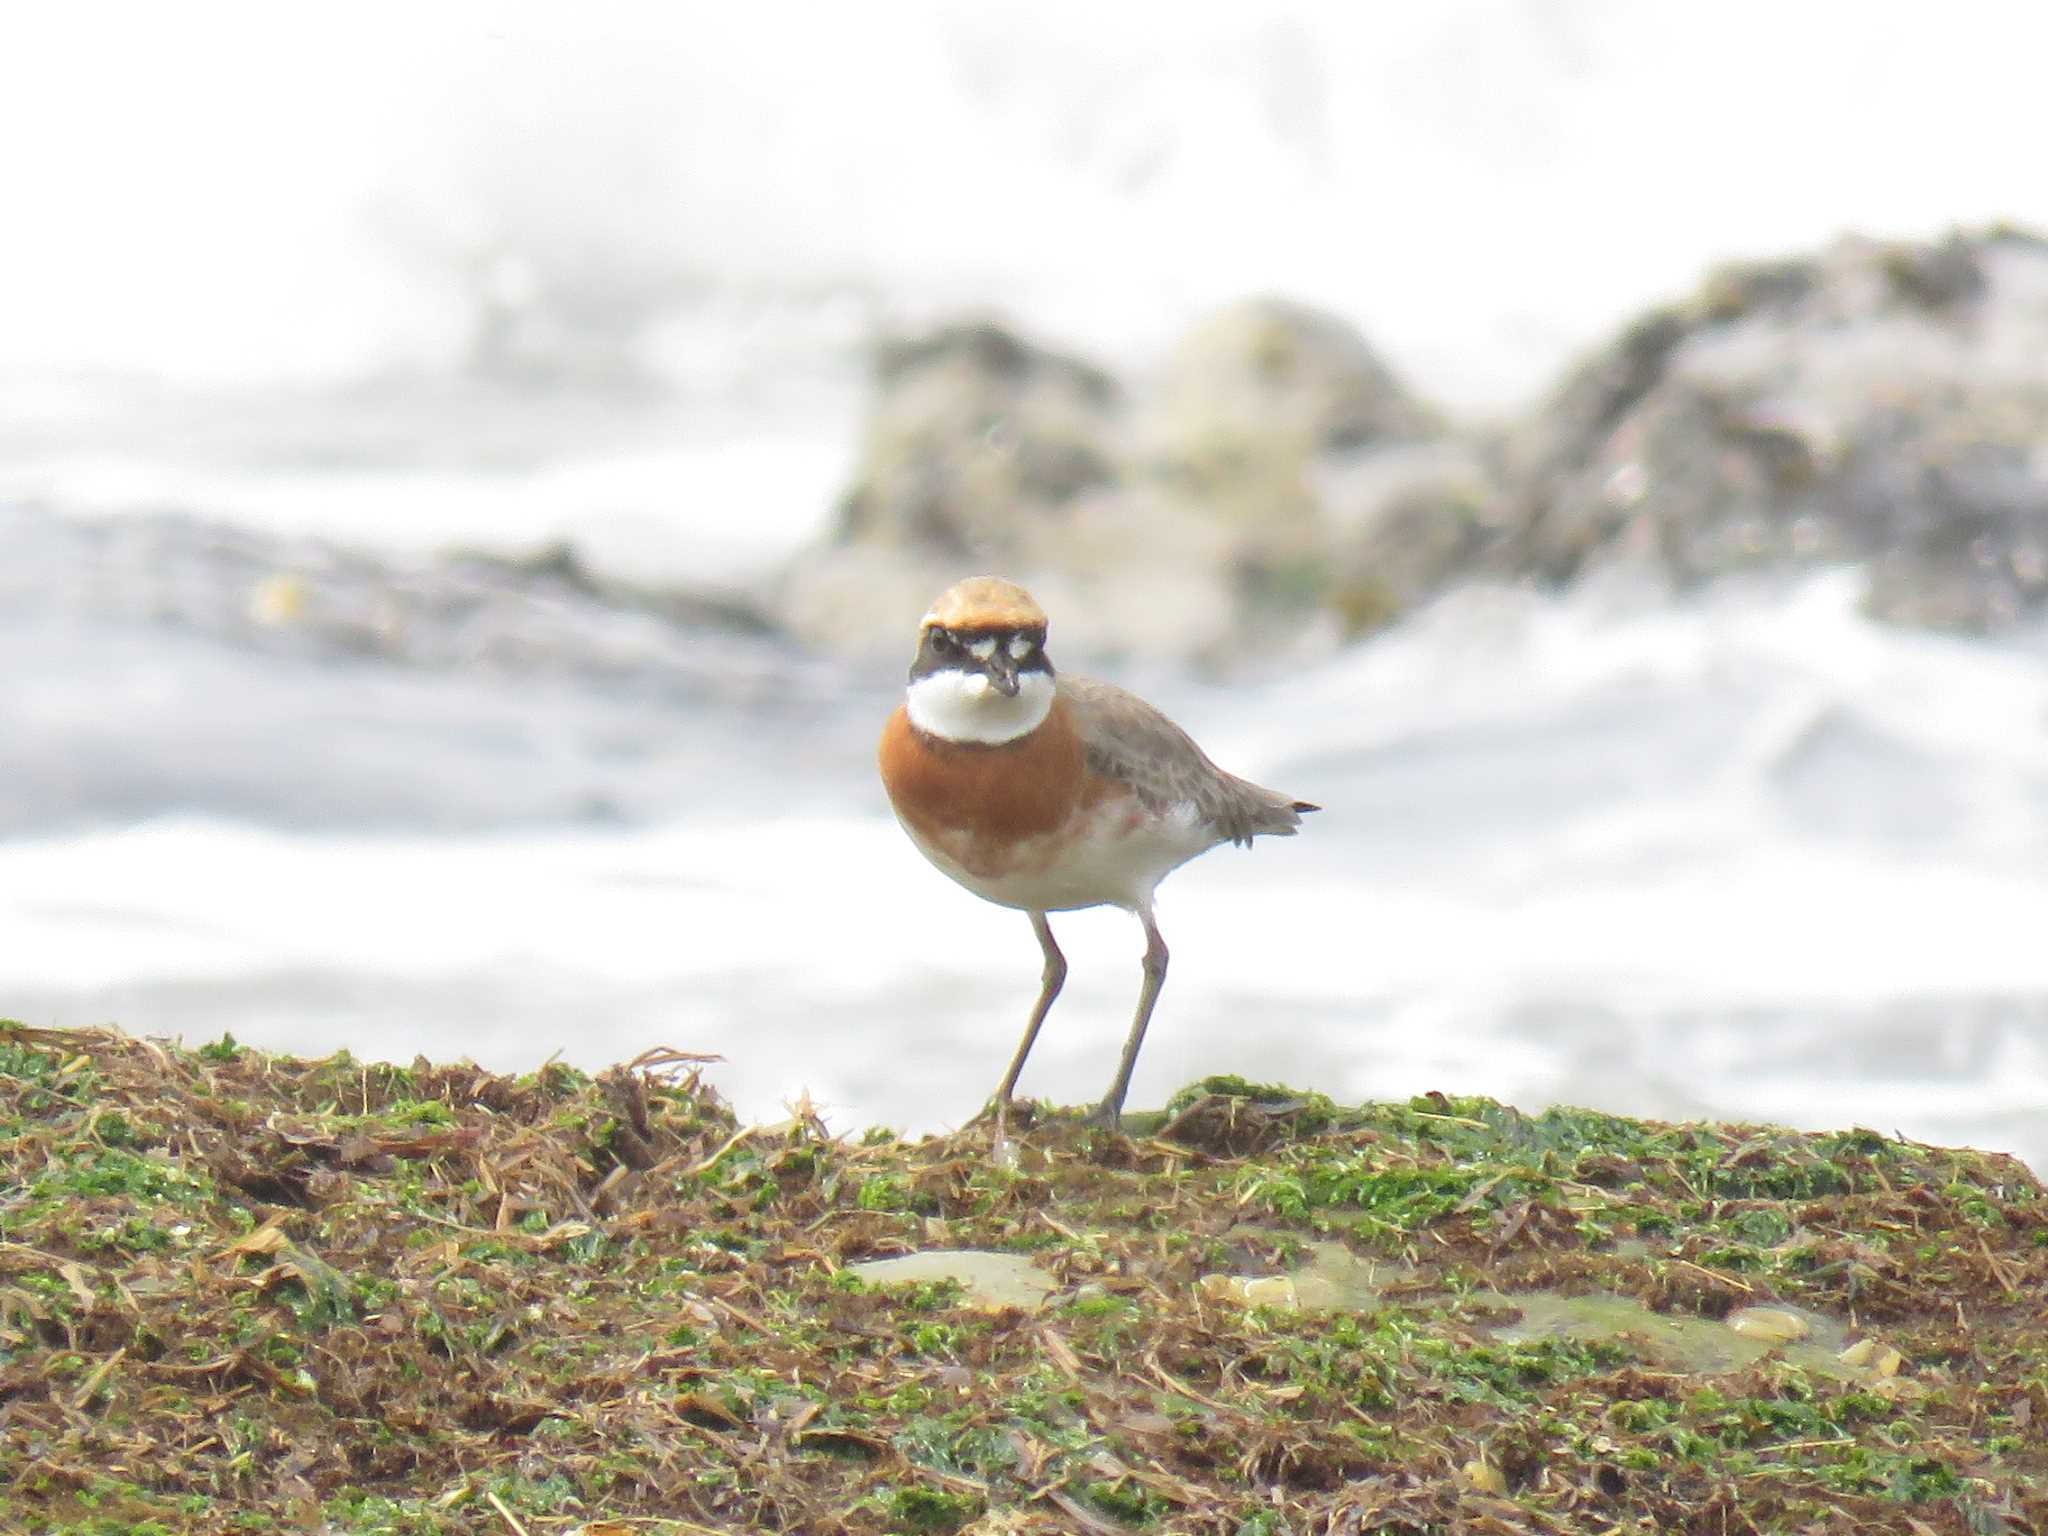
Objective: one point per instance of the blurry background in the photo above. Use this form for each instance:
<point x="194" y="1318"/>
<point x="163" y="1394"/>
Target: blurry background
<point x="469" y="477"/>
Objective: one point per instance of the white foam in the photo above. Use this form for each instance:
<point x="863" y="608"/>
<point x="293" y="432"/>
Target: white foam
<point x="1749" y="856"/>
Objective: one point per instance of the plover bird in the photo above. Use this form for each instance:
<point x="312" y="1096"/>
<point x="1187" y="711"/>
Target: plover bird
<point x="1050" y="793"/>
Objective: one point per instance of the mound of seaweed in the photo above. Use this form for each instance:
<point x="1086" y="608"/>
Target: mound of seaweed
<point x="242" y="1292"/>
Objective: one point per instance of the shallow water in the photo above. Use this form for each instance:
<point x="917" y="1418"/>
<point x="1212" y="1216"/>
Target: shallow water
<point x="1336" y="1279"/>
<point x="990" y="1279"/>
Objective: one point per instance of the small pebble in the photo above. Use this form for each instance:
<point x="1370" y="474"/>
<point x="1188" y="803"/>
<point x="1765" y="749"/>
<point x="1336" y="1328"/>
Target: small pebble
<point x="1485" y="1477"/>
<point x="1250" y="1291"/>
<point x="279" y="600"/>
<point x="1772" y="1324"/>
<point x="1270" y="1291"/>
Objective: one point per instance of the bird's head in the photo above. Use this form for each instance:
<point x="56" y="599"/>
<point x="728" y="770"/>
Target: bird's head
<point x="981" y="673"/>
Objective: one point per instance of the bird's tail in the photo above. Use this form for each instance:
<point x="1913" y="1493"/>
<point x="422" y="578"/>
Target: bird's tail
<point x="1267" y="813"/>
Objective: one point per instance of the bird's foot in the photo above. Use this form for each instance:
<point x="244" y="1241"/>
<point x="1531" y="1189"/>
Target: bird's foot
<point x="1107" y="1116"/>
<point x="997" y="1111"/>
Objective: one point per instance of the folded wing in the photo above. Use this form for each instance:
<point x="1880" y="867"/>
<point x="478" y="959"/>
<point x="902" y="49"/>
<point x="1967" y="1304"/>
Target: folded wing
<point x="1128" y="740"/>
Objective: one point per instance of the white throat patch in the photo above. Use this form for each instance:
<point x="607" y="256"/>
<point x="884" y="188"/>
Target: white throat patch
<point x="961" y="706"/>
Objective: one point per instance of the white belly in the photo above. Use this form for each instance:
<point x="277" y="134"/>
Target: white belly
<point x="1110" y="863"/>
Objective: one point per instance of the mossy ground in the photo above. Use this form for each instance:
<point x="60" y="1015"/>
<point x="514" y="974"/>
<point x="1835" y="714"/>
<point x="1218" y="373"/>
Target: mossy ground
<point x="246" y="1293"/>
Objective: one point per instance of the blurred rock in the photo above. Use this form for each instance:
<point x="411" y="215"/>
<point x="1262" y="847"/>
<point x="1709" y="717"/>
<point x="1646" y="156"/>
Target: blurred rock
<point x="1881" y="404"/>
<point x="160" y="665"/>
<point x="536" y="616"/>
<point x="975" y="433"/>
<point x="1403" y="523"/>
<point x="1262" y="409"/>
<point x="1195" y="525"/>
<point x="978" y="447"/>
<point x="1273" y="370"/>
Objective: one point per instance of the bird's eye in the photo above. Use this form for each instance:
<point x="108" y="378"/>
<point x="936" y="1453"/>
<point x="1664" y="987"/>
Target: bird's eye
<point x="943" y="643"/>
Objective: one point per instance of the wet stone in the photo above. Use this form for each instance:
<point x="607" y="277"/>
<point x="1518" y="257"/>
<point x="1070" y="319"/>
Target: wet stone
<point x="1485" y="1477"/>
<point x="1772" y="1325"/>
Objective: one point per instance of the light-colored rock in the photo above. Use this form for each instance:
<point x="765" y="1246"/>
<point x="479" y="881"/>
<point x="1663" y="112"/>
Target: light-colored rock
<point x="1251" y="1290"/>
<point x="1272" y="370"/>
<point x="985" y="453"/>
<point x="1265" y="416"/>
<point x="973" y="434"/>
<point x="1771" y="1325"/>
<point x="1485" y="1477"/>
<point x="1271" y="1291"/>
<point x="1402" y="522"/>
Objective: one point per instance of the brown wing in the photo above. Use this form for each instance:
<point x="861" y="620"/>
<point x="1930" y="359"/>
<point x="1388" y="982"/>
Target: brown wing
<point x="1128" y="740"/>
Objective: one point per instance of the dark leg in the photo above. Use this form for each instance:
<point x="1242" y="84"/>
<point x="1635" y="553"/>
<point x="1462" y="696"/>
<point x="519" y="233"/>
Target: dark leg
<point x="1054" y="977"/>
<point x="1109" y="1112"/>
